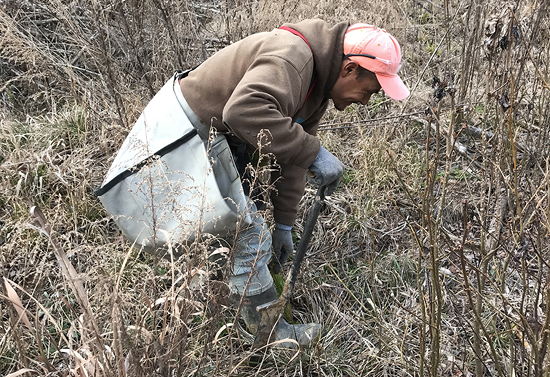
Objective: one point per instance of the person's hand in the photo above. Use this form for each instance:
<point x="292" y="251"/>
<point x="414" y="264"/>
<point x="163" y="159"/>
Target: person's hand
<point x="282" y="245"/>
<point x="327" y="171"/>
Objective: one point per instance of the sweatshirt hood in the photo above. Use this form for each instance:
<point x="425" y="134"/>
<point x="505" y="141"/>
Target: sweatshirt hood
<point x="328" y="51"/>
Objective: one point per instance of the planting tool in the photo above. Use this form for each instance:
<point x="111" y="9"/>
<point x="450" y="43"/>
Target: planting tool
<point x="273" y="311"/>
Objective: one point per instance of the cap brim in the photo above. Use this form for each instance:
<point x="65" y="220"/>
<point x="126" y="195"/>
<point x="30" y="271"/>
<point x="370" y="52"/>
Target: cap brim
<point x="393" y="86"/>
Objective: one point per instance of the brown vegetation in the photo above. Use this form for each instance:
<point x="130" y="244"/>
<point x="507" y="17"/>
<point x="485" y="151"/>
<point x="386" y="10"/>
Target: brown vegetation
<point x="431" y="260"/>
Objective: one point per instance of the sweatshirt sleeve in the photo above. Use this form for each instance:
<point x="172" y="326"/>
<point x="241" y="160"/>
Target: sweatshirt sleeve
<point x="290" y="183"/>
<point x="311" y="124"/>
<point x="269" y="93"/>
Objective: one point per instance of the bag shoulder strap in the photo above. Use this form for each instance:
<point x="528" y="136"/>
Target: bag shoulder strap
<point x="314" y="77"/>
<point x="202" y="128"/>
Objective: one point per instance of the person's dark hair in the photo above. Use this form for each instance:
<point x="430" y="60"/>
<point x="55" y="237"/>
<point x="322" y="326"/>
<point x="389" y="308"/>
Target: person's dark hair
<point x="363" y="73"/>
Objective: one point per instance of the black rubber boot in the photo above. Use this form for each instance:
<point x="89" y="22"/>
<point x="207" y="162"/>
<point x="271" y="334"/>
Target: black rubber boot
<point x="305" y="335"/>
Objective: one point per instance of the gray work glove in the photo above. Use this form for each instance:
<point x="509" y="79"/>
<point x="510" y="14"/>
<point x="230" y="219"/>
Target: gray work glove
<point x="327" y="170"/>
<point x="282" y="245"/>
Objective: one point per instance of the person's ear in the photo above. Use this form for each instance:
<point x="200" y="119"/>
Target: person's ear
<point x="349" y="67"/>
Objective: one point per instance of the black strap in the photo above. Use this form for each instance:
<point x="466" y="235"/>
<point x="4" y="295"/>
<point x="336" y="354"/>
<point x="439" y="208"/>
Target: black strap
<point x="134" y="169"/>
<point x="181" y="74"/>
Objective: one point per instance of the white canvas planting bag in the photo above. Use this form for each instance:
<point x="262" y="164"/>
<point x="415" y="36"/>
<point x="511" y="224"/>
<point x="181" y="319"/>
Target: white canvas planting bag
<point x="169" y="183"/>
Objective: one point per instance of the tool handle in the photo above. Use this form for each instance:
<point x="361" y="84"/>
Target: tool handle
<point x="273" y="311"/>
<point x="304" y="241"/>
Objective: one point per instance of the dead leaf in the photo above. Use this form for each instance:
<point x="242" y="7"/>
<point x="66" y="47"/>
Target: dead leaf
<point x="18" y="305"/>
<point x="22" y="371"/>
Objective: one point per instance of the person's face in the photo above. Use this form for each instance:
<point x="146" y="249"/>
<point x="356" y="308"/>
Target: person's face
<point x="348" y="89"/>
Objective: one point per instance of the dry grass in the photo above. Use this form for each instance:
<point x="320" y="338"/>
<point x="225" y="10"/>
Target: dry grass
<point x="431" y="260"/>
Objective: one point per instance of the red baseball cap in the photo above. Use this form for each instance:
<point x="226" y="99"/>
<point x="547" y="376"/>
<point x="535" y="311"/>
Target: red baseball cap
<point x="377" y="51"/>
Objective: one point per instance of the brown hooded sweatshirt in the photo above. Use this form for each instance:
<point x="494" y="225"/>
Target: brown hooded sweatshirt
<point x="261" y="82"/>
